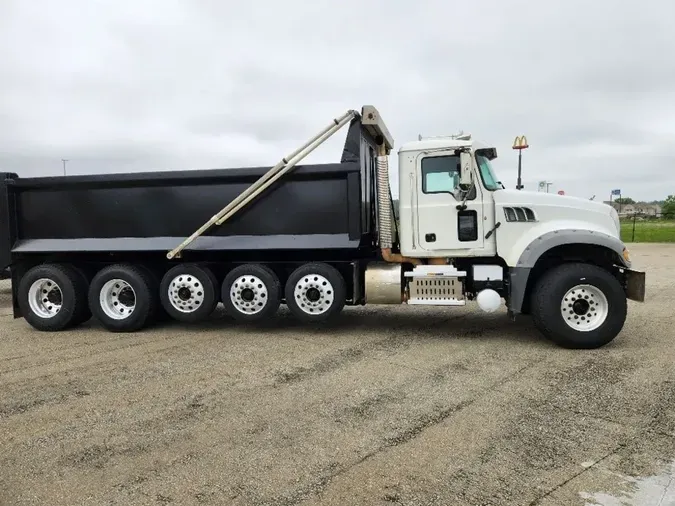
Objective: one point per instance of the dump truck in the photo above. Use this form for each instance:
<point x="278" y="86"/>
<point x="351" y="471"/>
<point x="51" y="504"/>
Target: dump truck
<point x="130" y="248"/>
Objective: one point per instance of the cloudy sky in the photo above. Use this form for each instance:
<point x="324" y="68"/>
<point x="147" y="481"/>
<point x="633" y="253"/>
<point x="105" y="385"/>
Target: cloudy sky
<point x="116" y="86"/>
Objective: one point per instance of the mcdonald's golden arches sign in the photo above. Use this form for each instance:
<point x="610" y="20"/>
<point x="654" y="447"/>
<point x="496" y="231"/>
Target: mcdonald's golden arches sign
<point x="520" y="142"/>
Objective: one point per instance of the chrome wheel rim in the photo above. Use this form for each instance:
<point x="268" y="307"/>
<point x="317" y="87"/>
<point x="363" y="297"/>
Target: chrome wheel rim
<point x="117" y="299"/>
<point x="584" y="308"/>
<point x="314" y="294"/>
<point x="45" y="298"/>
<point x="249" y="294"/>
<point x="186" y="293"/>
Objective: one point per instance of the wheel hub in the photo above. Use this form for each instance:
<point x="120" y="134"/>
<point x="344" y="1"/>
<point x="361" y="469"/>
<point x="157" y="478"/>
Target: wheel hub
<point x="314" y="294"/>
<point x="127" y="297"/>
<point x="249" y="294"/>
<point x="45" y="298"/>
<point x="580" y="307"/>
<point x="584" y="307"/>
<point x="117" y="299"/>
<point x="186" y="293"/>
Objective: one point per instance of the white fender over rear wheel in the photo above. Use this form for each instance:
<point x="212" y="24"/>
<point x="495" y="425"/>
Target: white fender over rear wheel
<point x="315" y="292"/>
<point x="579" y="305"/>
<point x="189" y="292"/>
<point x="123" y="298"/>
<point x="251" y="292"/>
<point x="53" y="297"/>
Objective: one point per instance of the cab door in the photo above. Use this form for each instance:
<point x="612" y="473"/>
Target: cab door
<point x="441" y="227"/>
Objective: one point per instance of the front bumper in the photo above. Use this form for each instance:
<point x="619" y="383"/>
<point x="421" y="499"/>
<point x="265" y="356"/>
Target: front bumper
<point x="635" y="284"/>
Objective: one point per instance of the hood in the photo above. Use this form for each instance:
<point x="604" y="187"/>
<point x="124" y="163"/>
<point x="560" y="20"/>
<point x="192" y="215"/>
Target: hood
<point x="521" y="197"/>
<point x="563" y="210"/>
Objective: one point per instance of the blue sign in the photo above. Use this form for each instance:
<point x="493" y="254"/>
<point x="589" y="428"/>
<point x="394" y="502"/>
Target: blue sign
<point x="616" y="192"/>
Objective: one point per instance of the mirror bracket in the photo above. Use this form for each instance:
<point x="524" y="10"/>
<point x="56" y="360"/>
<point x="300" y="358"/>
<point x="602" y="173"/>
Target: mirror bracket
<point x="465" y="176"/>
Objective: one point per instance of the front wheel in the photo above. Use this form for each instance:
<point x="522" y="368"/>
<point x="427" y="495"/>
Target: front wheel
<point x="579" y="306"/>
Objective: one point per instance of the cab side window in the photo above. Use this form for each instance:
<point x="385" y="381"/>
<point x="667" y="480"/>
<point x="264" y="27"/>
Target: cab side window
<point x="440" y="174"/>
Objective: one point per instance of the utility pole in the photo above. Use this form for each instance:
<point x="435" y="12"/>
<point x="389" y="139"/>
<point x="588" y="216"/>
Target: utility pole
<point x="64" y="165"/>
<point x="520" y="143"/>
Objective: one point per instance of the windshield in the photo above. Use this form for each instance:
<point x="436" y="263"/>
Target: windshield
<point x="487" y="174"/>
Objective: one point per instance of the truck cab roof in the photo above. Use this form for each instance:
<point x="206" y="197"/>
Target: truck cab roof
<point x="441" y="143"/>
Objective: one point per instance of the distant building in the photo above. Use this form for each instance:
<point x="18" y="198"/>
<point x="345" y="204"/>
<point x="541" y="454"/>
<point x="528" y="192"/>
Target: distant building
<point x="639" y="208"/>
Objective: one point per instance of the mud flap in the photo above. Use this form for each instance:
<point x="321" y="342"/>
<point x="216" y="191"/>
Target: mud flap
<point x="635" y="284"/>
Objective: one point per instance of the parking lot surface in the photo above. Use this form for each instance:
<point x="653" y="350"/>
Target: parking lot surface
<point x="389" y="405"/>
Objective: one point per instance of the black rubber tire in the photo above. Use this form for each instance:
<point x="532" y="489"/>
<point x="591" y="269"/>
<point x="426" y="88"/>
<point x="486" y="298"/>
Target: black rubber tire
<point x="84" y="314"/>
<point x="269" y="279"/>
<point x="306" y="271"/>
<point x="549" y="292"/>
<point x="145" y="288"/>
<point x="156" y="275"/>
<point x="203" y="279"/>
<point x="73" y="297"/>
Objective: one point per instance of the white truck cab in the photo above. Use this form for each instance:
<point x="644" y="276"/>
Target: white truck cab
<point x="560" y="258"/>
<point x="431" y="199"/>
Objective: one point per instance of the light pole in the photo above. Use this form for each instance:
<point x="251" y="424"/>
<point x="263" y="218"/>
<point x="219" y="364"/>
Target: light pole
<point x="64" y="165"/>
<point x="520" y="143"/>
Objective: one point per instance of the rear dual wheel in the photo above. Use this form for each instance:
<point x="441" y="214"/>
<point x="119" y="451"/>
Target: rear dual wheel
<point x="251" y="292"/>
<point x="315" y="292"/>
<point x="127" y="298"/>
<point x="123" y="298"/>
<point x="53" y="297"/>
<point x="189" y="293"/>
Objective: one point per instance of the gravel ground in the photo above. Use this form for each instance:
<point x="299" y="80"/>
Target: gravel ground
<point x="390" y="405"/>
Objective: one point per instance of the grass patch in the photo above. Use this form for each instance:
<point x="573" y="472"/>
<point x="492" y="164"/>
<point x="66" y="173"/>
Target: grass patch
<point x="648" y="231"/>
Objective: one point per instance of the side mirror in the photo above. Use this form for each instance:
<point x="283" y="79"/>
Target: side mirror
<point x="465" y="174"/>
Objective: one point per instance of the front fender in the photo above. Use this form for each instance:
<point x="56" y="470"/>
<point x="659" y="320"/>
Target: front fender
<point x="529" y="255"/>
<point x="529" y="245"/>
<point x="535" y="249"/>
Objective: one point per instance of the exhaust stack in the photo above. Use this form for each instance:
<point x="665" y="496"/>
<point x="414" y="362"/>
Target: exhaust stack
<point x="384" y="214"/>
<point x="383" y="204"/>
<point x="372" y="122"/>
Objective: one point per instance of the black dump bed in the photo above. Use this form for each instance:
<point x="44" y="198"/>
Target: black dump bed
<point x="314" y="207"/>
